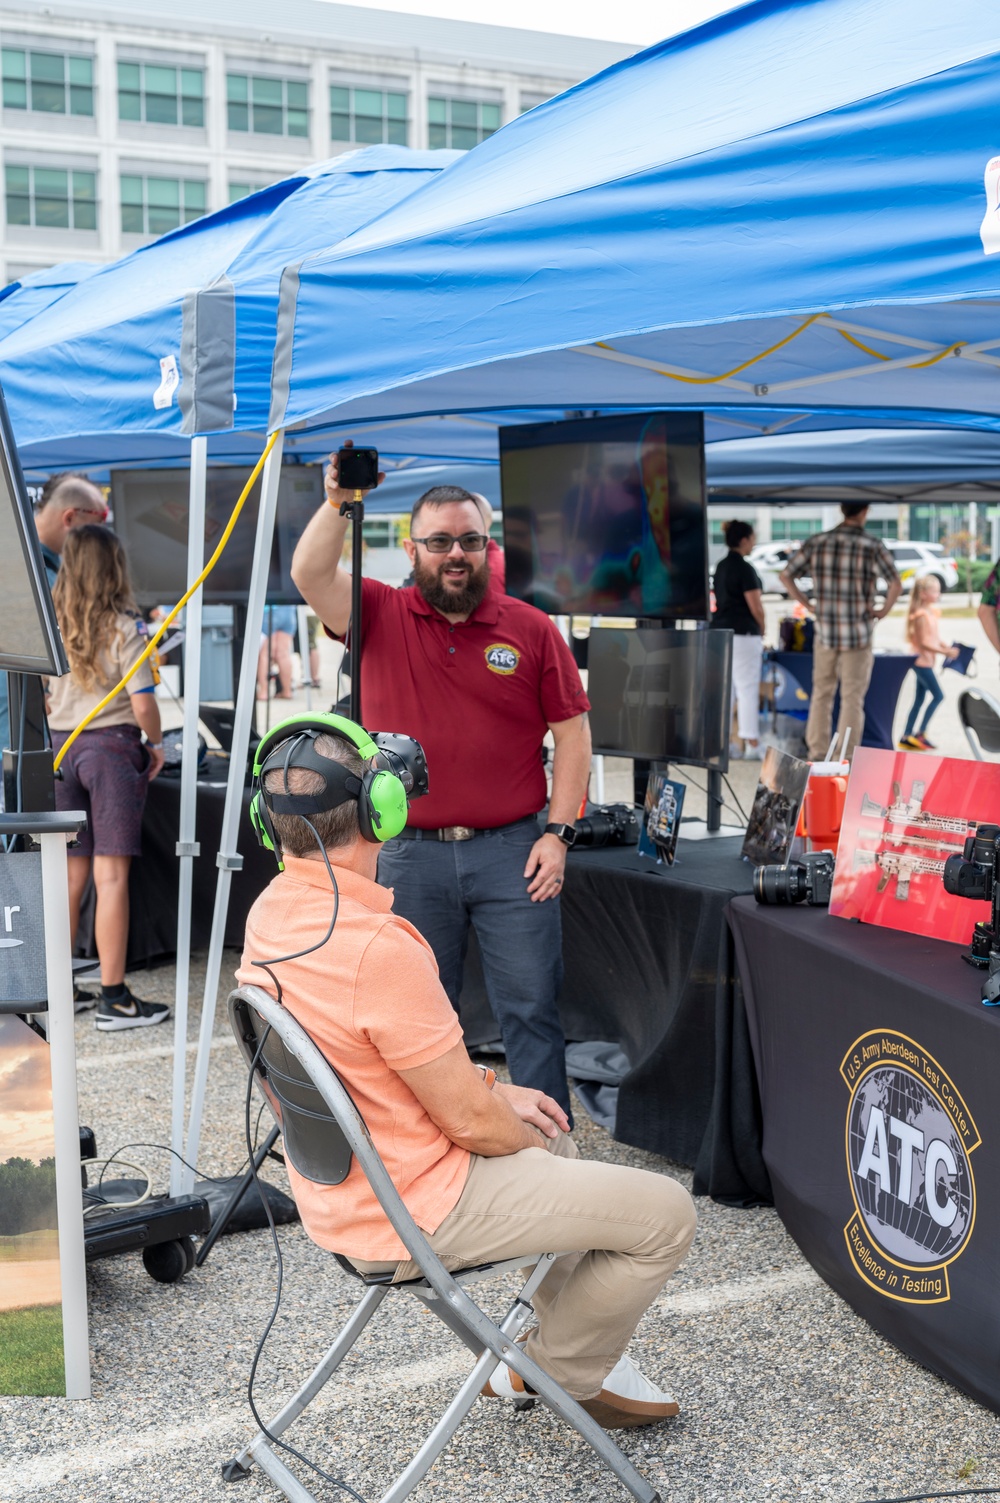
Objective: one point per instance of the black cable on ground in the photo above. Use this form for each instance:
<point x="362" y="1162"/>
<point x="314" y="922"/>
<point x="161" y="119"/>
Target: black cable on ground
<point x="964" y="1492"/>
<point x="165" y="1148"/>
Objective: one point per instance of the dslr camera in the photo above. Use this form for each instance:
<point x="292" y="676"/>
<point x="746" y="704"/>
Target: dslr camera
<point x="611" y="824"/>
<point x="974" y="874"/>
<point x="807" y="881"/>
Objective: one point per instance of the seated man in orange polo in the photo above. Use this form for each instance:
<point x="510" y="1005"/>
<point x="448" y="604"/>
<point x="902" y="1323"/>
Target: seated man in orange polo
<point x="487" y="1170"/>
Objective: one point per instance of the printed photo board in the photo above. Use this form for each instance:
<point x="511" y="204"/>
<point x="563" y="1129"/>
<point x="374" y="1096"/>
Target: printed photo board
<point x="905" y="814"/>
<point x="776" y="806"/>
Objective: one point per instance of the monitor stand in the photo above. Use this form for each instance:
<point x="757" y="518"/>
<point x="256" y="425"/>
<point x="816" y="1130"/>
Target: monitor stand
<point x="711" y="826"/>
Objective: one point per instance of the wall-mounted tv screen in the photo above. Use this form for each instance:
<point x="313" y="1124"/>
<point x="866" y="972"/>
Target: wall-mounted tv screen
<point x="607" y="516"/>
<point x="150" y="509"/>
<point x="661" y="695"/>
<point x="29" y="633"/>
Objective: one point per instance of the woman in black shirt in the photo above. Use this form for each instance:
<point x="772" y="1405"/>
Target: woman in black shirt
<point x="739" y="607"/>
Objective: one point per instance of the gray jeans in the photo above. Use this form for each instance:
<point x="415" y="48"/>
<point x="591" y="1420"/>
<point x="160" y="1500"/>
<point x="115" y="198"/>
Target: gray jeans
<point x="443" y="888"/>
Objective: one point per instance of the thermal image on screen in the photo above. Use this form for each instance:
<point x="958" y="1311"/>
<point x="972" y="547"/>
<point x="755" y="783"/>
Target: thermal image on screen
<point x="606" y="516"/>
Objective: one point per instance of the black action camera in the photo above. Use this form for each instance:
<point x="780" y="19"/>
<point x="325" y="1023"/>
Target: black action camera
<point x="357" y="469"/>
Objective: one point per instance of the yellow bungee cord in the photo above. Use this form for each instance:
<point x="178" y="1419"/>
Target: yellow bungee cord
<point x="161" y="629"/>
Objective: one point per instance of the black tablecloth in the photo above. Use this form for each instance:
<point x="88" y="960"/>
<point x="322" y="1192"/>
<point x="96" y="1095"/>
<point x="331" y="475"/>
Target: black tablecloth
<point x="650" y="966"/>
<point x="889" y="669"/>
<point x="871" y="1047"/>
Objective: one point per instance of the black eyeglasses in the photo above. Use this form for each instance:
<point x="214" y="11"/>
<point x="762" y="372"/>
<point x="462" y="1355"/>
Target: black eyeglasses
<point x="444" y="542"/>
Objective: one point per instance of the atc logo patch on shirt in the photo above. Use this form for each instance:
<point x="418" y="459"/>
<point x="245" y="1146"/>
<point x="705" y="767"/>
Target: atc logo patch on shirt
<point x="502" y="658"/>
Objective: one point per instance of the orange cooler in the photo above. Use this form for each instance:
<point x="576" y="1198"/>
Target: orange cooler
<point x="823" y="810"/>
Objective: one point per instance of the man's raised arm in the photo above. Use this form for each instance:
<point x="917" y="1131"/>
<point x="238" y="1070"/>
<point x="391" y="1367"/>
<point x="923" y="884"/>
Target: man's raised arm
<point x="316" y="571"/>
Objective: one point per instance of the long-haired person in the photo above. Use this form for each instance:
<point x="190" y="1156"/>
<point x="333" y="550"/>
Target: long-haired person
<point x="923" y="632"/>
<point x="740" y="608"/>
<point x="107" y="769"/>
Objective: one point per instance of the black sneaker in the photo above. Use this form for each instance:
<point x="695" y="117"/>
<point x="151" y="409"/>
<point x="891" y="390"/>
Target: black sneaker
<point x="83" y="1001"/>
<point x="129" y="1012"/>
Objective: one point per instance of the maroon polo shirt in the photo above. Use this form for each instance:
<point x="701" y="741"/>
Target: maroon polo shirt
<point x="478" y="696"/>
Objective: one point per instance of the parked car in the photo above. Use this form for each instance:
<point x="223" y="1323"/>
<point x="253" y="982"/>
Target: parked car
<point x="913" y="560"/>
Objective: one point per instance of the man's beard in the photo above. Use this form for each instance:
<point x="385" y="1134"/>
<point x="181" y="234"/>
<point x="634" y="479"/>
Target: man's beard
<point x="452" y="602"/>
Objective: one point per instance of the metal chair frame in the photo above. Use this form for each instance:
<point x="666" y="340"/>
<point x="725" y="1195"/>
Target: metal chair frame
<point x="971" y="735"/>
<point x="441" y="1292"/>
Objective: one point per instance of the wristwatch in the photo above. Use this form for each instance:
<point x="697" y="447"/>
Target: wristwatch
<point x="566" y="833"/>
<point x="489" y="1076"/>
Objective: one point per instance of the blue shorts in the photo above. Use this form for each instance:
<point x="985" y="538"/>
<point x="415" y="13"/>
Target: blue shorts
<point x="281" y="618"/>
<point x="105" y="773"/>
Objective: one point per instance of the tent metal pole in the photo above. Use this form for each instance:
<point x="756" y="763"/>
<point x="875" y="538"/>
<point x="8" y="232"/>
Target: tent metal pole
<point x="228" y="859"/>
<point x="187" y="846"/>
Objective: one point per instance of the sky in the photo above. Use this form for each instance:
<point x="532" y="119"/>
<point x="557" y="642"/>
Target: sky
<point x="25" y="1093"/>
<point x="639" y="21"/>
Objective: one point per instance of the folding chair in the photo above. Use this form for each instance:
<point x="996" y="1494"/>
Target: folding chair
<point x="980" y="717"/>
<point x="322" y="1130"/>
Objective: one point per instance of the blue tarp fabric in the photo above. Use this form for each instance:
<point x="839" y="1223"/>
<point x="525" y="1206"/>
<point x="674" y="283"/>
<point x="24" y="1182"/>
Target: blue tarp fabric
<point x="819" y="179"/>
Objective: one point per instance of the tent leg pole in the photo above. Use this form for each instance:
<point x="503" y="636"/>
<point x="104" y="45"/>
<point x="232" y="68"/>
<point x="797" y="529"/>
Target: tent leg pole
<point x="228" y="859"/>
<point x="187" y="848"/>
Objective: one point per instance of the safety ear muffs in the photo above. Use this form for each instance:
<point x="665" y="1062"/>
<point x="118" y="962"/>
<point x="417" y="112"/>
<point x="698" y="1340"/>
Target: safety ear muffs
<point x="382" y="805"/>
<point x="260" y="819"/>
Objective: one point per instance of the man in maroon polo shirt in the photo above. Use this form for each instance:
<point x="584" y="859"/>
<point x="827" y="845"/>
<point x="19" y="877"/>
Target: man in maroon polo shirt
<point x="478" y="678"/>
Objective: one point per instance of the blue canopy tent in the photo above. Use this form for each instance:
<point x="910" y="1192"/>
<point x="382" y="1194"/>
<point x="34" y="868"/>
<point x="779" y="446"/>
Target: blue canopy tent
<point x="26" y="298"/>
<point x="168" y="342"/>
<point x="791" y="204"/>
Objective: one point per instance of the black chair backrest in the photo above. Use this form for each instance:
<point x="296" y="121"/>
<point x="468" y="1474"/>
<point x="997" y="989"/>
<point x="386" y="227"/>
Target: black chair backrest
<point x="313" y="1141"/>
<point x="981" y="715"/>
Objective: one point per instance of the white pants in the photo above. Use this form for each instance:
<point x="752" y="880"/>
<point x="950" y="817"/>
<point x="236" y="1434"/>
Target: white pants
<point x="748" y="653"/>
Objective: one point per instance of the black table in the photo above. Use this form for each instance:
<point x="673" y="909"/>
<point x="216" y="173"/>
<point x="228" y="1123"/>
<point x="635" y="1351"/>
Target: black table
<point x="876" y="1058"/>
<point x="650" y="966"/>
<point x="153" y="876"/>
<point x="889" y="669"/>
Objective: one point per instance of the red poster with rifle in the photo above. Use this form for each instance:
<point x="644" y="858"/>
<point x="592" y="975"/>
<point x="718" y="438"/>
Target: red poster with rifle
<point x="906" y="813"/>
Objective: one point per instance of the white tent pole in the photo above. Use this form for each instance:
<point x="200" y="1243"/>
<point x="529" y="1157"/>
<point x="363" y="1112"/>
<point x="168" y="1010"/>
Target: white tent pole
<point x="187" y="846"/>
<point x="228" y="859"/>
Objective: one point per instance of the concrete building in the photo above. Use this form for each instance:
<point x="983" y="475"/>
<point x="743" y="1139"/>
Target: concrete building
<point x="125" y="118"/>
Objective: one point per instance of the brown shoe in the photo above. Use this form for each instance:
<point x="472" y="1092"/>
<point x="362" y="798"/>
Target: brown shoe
<point x="626" y="1400"/>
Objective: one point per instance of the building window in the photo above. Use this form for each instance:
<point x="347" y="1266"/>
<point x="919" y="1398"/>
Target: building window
<point x="267" y="106"/>
<point x="51" y="198"/>
<point x="793" y="529"/>
<point x="161" y="96"/>
<point x="51" y="83"/>
<point x="460" y="123"/>
<point x="154" y="205"/>
<point x="531" y="101"/>
<point x="238" y="190"/>
<point x="883" y="527"/>
<point x="367" y="116"/>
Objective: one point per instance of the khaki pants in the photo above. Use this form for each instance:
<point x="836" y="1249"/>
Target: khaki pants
<point x="628" y="1229"/>
<point x="851" y="667"/>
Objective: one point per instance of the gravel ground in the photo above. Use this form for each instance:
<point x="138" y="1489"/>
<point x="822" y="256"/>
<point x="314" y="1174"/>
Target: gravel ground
<point x="785" y="1393"/>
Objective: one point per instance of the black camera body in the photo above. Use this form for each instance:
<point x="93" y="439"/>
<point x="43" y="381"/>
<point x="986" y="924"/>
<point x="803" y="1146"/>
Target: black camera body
<point x="357" y="469"/>
<point x="976" y="874"/>
<point x="807" y="881"/>
<point x="611" y="824"/>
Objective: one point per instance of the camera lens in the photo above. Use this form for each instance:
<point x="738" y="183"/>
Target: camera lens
<point x="595" y="829"/>
<point x="779" y="884"/>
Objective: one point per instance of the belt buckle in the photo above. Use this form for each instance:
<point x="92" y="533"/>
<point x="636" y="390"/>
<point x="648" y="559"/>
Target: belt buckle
<point x="457" y="832"/>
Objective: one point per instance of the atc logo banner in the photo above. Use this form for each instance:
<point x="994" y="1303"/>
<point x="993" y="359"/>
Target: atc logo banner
<point x="909" y="1141"/>
<point x="502" y="658"/>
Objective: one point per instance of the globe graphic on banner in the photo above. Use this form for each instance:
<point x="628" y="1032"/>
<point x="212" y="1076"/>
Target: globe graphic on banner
<point x="902" y="1225"/>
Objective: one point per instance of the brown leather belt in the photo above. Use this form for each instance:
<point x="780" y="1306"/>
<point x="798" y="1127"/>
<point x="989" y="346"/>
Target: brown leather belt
<point x="459" y="832"/>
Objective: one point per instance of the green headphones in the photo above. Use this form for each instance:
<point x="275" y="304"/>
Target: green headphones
<point x="393" y="773"/>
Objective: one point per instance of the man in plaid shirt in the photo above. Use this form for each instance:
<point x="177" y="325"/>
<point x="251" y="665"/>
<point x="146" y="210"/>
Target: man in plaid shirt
<point x="989" y="606"/>
<point x="845" y="565"/>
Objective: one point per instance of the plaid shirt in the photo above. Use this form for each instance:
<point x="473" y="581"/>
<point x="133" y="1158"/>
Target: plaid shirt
<point x="991" y="589"/>
<point x="845" y="565"/>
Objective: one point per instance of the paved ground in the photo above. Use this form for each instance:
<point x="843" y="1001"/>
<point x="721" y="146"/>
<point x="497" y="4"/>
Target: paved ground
<point x="785" y="1393"/>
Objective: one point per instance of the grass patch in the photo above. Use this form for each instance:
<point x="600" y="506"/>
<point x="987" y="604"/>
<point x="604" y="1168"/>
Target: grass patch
<point x="29" y="1246"/>
<point x="31" y="1351"/>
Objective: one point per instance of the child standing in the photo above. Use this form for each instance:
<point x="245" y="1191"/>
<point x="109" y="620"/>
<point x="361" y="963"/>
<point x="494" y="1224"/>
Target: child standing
<point x="923" y="633"/>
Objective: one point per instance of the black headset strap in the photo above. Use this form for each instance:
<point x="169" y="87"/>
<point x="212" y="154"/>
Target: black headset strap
<point x="341" y="785"/>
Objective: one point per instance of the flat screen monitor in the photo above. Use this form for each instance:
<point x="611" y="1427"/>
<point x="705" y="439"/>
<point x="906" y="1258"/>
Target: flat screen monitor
<point x="150" y="509"/>
<point x="661" y="695"/>
<point x="29" y="633"/>
<point x="607" y="516"/>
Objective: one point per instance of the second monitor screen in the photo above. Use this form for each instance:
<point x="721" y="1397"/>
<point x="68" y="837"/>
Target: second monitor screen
<point x="606" y="516"/>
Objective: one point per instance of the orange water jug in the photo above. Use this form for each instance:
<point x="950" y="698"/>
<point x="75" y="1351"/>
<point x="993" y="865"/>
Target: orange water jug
<point x="823" y="810"/>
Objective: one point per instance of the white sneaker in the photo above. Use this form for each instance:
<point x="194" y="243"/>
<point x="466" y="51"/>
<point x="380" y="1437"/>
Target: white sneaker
<point x="626" y="1400"/>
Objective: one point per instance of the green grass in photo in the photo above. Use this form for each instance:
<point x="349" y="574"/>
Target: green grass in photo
<point x="31" y="1351"/>
<point x="29" y="1246"/>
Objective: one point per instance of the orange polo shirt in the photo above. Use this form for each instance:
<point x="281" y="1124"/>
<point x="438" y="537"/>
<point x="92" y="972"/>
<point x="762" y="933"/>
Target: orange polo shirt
<point x="372" y="1001"/>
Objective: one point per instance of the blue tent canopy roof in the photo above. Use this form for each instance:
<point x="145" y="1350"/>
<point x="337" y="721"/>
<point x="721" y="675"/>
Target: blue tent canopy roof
<point x="787" y="203"/>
